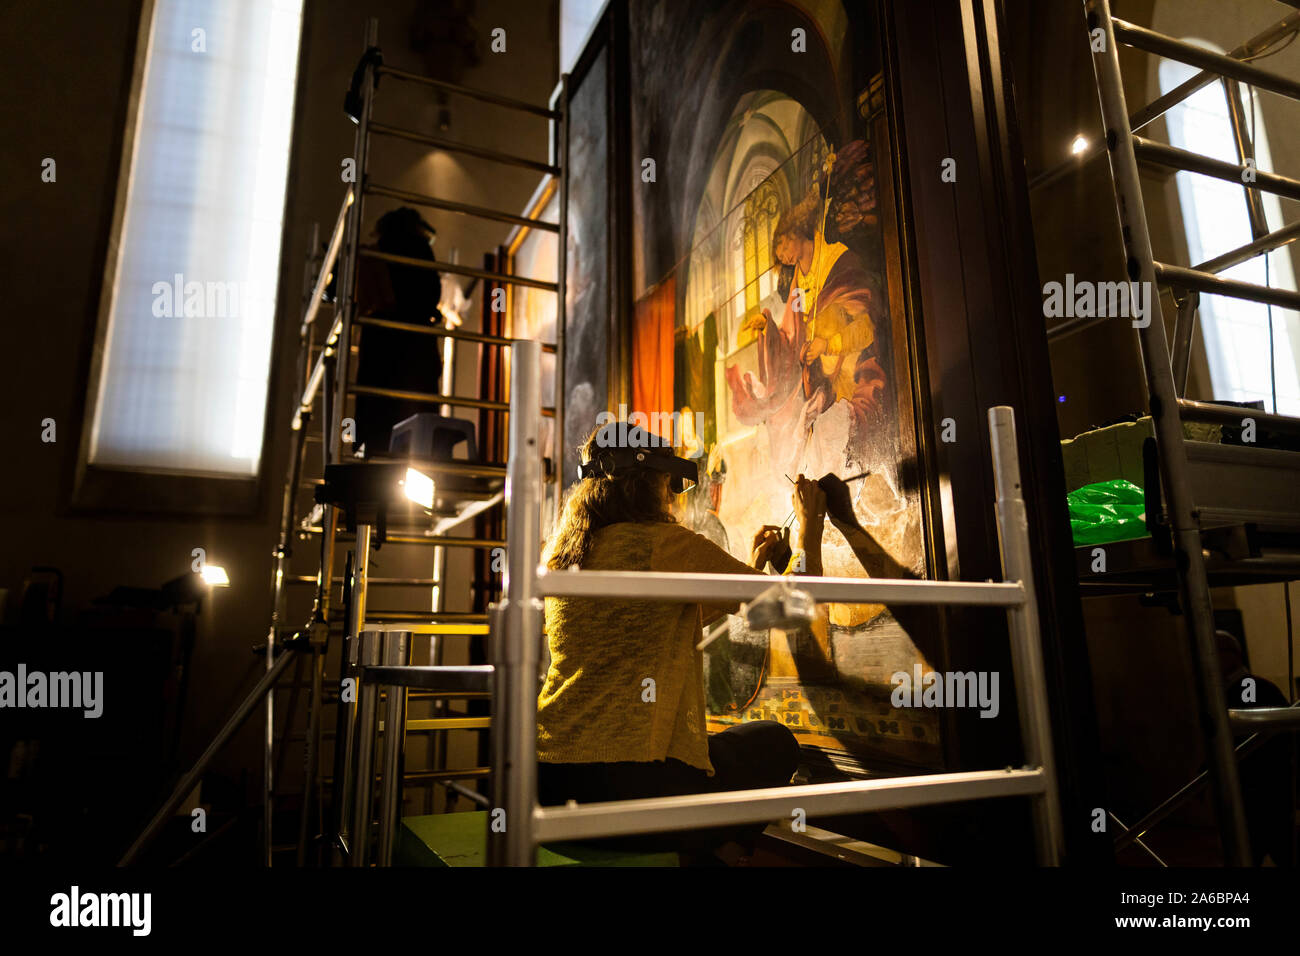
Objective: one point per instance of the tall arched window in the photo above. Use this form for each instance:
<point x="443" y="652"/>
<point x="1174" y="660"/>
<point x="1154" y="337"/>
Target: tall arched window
<point x="1235" y="331"/>
<point x="761" y="208"/>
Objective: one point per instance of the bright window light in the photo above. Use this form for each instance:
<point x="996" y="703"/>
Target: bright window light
<point x="214" y="576"/>
<point x="1236" y="331"/>
<point x="186" y="361"/>
<point x="419" y="487"/>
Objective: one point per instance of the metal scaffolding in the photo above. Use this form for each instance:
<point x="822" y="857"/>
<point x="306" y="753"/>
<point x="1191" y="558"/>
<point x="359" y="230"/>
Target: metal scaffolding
<point x="517" y="635"/>
<point x="1166" y="375"/>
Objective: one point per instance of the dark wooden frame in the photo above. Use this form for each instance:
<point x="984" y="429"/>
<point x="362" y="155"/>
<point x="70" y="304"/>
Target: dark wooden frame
<point x="607" y="36"/>
<point x="980" y="298"/>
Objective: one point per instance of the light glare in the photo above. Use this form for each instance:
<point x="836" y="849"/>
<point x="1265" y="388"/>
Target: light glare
<point x="419" y="487"/>
<point x="214" y="576"/>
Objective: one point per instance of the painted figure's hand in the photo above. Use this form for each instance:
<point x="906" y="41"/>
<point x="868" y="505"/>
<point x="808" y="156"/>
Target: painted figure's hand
<point x="814" y="350"/>
<point x="757" y="322"/>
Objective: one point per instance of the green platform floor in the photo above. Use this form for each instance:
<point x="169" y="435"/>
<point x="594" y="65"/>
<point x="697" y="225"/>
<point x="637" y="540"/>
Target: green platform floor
<point x="458" y="839"/>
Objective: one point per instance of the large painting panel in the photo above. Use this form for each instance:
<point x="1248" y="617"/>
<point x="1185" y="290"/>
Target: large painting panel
<point x="767" y="246"/>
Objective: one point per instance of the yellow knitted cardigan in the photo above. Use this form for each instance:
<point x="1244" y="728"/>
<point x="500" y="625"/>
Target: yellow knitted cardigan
<point x="625" y="682"/>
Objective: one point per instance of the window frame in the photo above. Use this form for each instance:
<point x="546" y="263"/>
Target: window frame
<point x="141" y="490"/>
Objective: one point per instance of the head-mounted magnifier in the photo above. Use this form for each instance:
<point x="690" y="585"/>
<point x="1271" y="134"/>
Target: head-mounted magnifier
<point x="611" y="462"/>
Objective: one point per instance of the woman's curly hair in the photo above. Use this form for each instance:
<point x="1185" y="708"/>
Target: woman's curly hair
<point x="599" y="500"/>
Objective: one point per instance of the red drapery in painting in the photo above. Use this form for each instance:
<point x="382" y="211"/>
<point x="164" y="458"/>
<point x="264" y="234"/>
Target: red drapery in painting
<point x="652" y="350"/>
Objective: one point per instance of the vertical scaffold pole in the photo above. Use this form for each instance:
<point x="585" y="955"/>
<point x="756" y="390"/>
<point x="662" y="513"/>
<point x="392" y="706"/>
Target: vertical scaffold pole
<point x="561" y="272"/>
<point x="517" y="632"/>
<point x="1026" y="651"/>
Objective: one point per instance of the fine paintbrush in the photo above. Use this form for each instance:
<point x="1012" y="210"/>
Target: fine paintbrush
<point x="827" y="483"/>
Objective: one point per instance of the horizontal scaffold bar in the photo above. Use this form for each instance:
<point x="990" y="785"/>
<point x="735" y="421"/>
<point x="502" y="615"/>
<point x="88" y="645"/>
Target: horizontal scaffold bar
<point x="467" y="677"/>
<point x="412" y="628"/>
<point x="431" y="329"/>
<point x="451" y="146"/>
<point x="1217" y="285"/>
<point x="448" y="723"/>
<point x="465" y="209"/>
<point x="373" y="582"/>
<point x="443" y="541"/>
<point x="665" y="586"/>
<point x="415" y="776"/>
<point x="1197" y="163"/>
<point x="1233" y="414"/>
<point x="370" y="252"/>
<point x="1245" y="51"/>
<point x="1265" y="243"/>
<point x="415" y="617"/>
<point x="1265" y="719"/>
<point x="482" y="95"/>
<point x="1158" y="43"/>
<point x="693" y="811"/>
<point x="459" y="401"/>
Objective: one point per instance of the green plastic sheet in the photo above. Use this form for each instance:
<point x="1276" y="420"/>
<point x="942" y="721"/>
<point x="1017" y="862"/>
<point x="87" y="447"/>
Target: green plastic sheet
<point x="1107" y="511"/>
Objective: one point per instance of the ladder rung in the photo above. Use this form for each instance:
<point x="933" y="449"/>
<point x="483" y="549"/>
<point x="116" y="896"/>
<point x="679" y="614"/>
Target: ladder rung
<point x="420" y="726"/>
<point x="1158" y="43"/>
<point x="371" y="624"/>
<point x="457" y="401"/>
<point x="1217" y="285"/>
<point x="450" y="723"/>
<point x="434" y="540"/>
<point x="460" y="334"/>
<point x="458" y="617"/>
<point x="482" y="95"/>
<point x="445" y="541"/>
<point x="473" y="677"/>
<point x="465" y="209"/>
<point x="310" y="579"/>
<point x="1244" y="51"/>
<point x="370" y="252"/>
<point x="1233" y="414"/>
<point x="1266" y="243"/>
<point x="418" y="775"/>
<point x="1267" y="719"/>
<point x="1197" y="163"/>
<point x="451" y="146"/>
